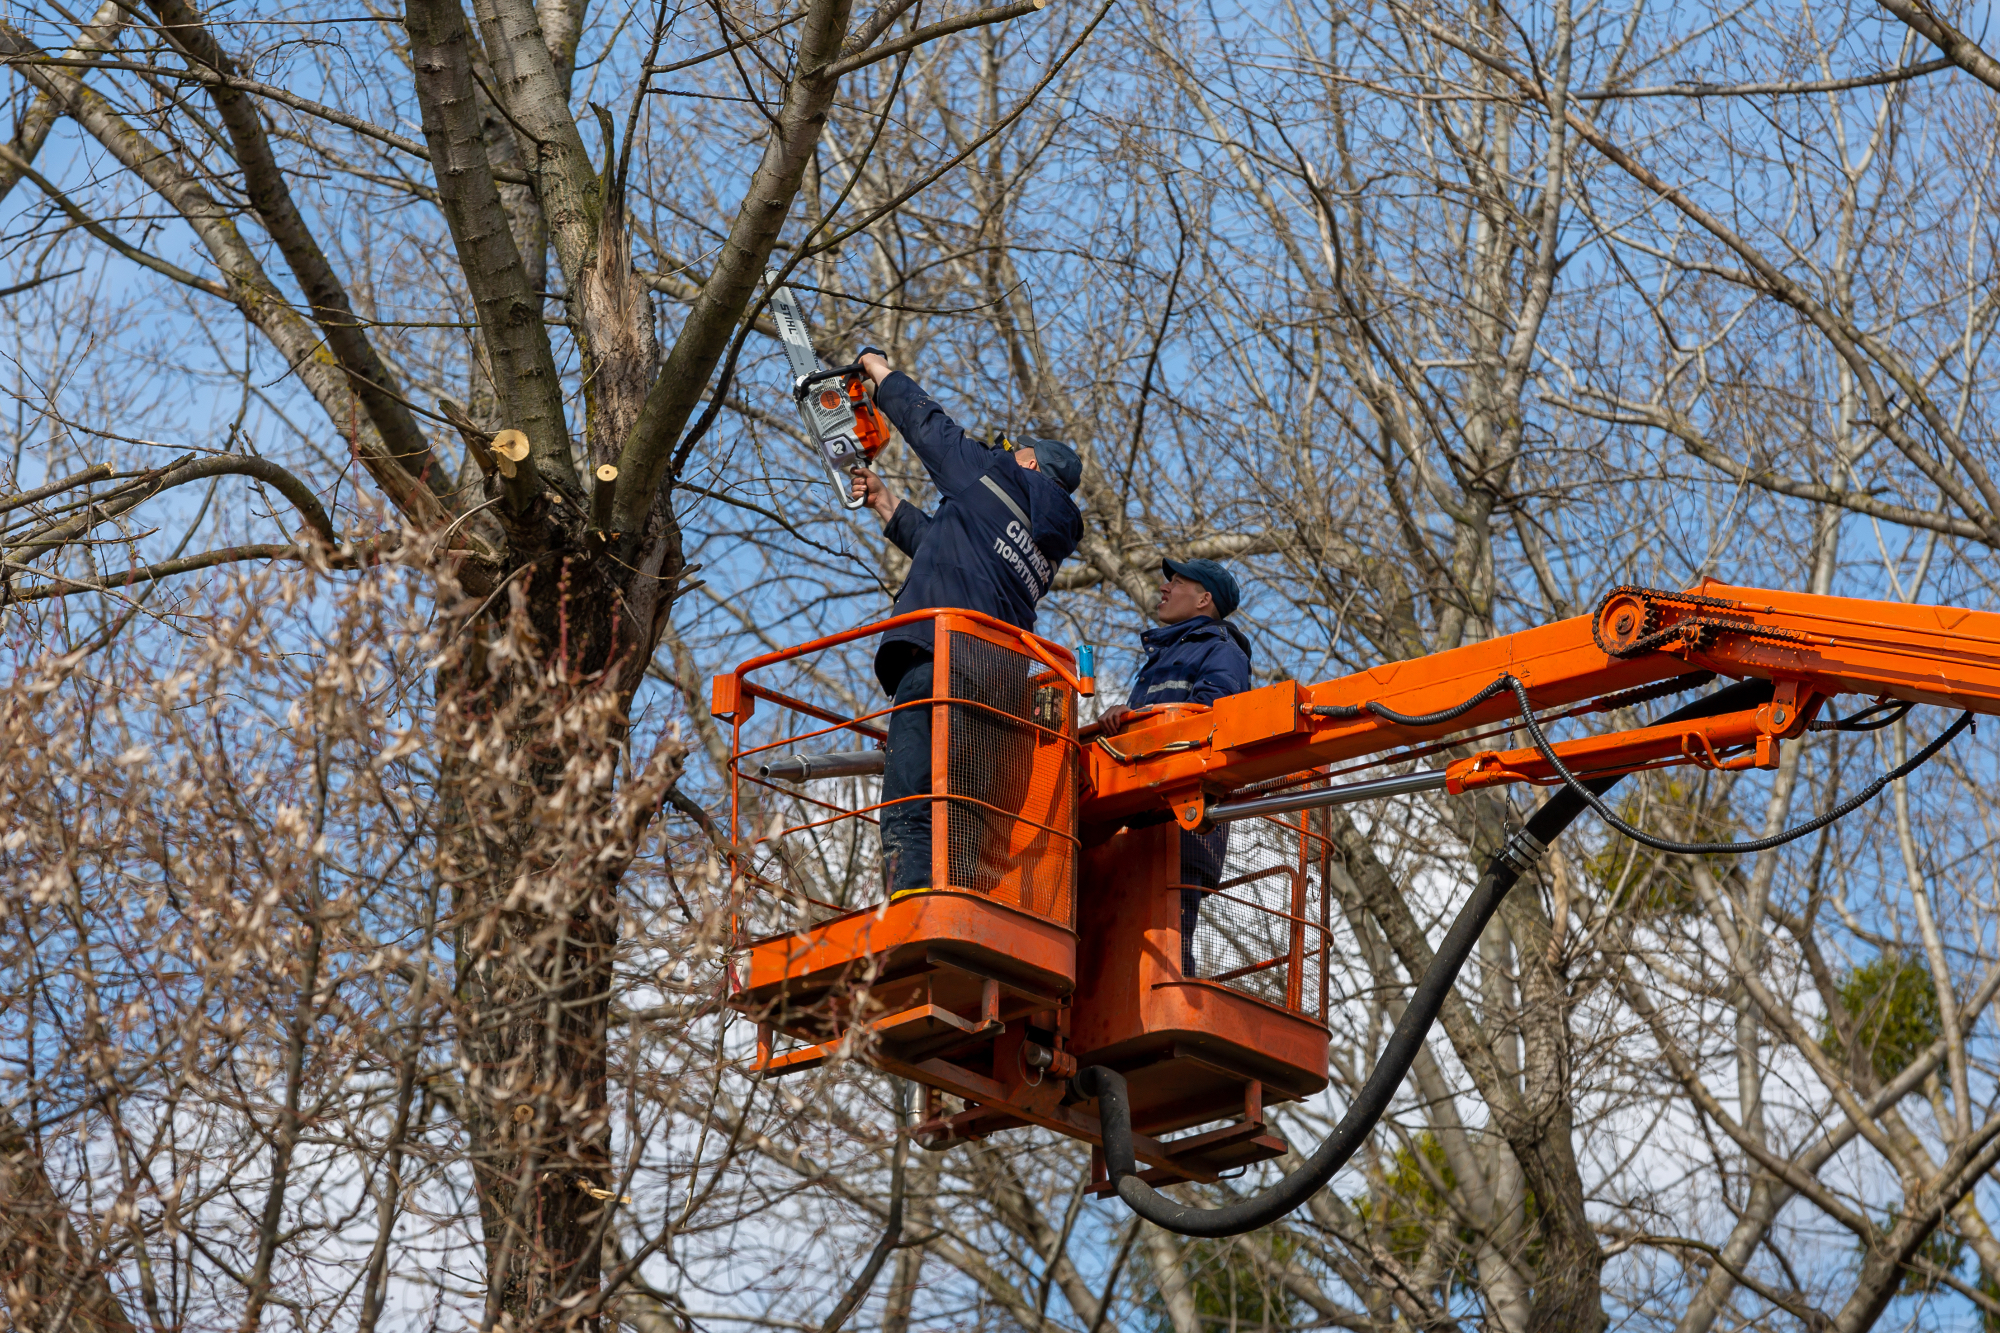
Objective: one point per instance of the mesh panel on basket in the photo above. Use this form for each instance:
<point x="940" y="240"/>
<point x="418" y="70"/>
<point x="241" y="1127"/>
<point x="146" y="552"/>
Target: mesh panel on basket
<point x="1250" y="924"/>
<point x="1001" y="758"/>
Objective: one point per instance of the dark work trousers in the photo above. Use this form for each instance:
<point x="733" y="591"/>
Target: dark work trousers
<point x="906" y="828"/>
<point x="1202" y="856"/>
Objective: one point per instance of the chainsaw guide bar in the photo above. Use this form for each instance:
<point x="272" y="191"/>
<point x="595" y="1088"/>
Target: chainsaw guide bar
<point x="836" y="404"/>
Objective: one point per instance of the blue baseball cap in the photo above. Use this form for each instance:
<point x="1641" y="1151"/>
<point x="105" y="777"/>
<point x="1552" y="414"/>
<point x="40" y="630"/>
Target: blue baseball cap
<point x="1221" y="584"/>
<point x="1058" y="460"/>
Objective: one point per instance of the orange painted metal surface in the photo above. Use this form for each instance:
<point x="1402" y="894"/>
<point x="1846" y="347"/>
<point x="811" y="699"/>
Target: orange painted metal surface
<point x="1731" y="741"/>
<point x="1003" y="764"/>
<point x="1943" y="655"/>
<point x="1828" y="645"/>
<point x="873" y="946"/>
<point x="1187" y="1047"/>
<point x="971" y="990"/>
<point x="966" y="986"/>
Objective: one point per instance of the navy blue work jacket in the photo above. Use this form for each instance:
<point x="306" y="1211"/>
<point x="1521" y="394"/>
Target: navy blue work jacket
<point x="999" y="532"/>
<point x="1196" y="661"/>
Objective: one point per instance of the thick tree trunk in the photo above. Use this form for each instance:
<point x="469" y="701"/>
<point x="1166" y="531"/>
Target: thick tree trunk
<point x="1567" y="1294"/>
<point x="525" y="381"/>
<point x="533" y="723"/>
<point x="46" y="1271"/>
<point x="532" y="996"/>
<point x="1532" y="1112"/>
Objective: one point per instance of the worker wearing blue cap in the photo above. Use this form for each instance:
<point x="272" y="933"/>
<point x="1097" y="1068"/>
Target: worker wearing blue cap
<point x="1194" y="655"/>
<point x="1004" y="521"/>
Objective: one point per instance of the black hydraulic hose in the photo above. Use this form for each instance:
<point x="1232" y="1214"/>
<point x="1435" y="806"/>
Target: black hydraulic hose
<point x="1873" y="718"/>
<point x="1114" y="1110"/>
<point x="1389" y="714"/>
<point x="1640" y="836"/>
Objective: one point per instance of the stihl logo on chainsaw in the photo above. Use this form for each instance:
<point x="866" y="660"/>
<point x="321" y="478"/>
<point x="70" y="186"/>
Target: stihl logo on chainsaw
<point x="836" y="403"/>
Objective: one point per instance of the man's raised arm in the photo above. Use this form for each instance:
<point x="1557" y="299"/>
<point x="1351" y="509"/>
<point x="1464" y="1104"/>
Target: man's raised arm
<point x="954" y="459"/>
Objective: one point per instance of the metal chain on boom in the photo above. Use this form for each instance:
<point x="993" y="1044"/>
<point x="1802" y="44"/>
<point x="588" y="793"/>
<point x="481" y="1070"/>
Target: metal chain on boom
<point x="1694" y="631"/>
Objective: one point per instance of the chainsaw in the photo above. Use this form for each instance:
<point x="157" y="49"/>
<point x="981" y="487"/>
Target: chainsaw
<point x="837" y="403"/>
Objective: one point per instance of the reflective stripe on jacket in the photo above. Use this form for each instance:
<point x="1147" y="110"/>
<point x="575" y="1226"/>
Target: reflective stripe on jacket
<point x="1196" y="661"/>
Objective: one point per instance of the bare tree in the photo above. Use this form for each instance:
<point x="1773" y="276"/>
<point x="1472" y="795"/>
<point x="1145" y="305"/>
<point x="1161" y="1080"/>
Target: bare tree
<point x="1435" y="321"/>
<point x="567" y="524"/>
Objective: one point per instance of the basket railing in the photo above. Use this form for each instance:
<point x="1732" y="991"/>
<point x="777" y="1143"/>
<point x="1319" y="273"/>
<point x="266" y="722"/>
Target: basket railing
<point x="1003" y="774"/>
<point x="1266" y="932"/>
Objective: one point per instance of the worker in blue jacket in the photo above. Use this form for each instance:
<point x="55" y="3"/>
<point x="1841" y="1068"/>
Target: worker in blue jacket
<point x="1004" y="522"/>
<point x="1194" y="656"/>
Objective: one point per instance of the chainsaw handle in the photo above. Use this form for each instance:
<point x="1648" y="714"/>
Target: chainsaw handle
<point x="806" y="382"/>
<point x="844" y="482"/>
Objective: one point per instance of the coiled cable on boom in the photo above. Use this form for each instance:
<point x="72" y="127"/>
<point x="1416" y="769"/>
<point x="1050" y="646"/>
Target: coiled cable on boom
<point x="1813" y="825"/>
<point x="1501" y="873"/>
<point x="1389" y="714"/>
<point x="1872" y="718"/>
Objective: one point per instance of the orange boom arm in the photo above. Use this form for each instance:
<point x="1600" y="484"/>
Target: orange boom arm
<point x="1812" y="648"/>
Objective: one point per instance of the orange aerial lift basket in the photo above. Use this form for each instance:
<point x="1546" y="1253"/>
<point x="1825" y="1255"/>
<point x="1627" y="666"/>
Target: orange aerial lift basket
<point x="989" y="988"/>
<point x="1046" y="979"/>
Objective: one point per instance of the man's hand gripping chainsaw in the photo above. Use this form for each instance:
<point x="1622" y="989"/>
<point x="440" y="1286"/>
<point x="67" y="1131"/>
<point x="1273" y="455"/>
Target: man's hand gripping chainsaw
<point x="837" y="403"/>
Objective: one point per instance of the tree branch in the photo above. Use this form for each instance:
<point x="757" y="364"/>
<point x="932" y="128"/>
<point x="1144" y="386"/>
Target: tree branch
<point x="1959" y="49"/>
<point x="95" y="472"/>
<point x="892" y="1229"/>
<point x="268" y="91"/>
<point x="1701" y="447"/>
<point x="47" y="1264"/>
<point x="1693" y="89"/>
<point x="533" y="100"/>
<point x="19" y="168"/>
<point x="679" y="288"/>
<point x="904" y="195"/>
<point x="244" y="281"/>
<point x="62" y="586"/>
<point x="325" y="295"/>
<point x="294" y="490"/>
<point x="1222" y="546"/>
<point x="32" y="130"/>
<point x="510" y="312"/>
<point x="1862" y="351"/>
<point x="877" y="24"/>
<point x="979" y="18"/>
<point x="1794" y="1305"/>
<point x="727" y="294"/>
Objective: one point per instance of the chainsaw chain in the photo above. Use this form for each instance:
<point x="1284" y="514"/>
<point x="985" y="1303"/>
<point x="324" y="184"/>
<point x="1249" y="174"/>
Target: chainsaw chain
<point x="1695" y="631"/>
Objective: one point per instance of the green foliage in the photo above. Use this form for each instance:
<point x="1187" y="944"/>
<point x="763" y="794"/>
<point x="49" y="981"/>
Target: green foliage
<point x="1942" y="1251"/>
<point x="1410" y="1210"/>
<point x="1894" y="1005"/>
<point x="1409" y="1206"/>
<point x="1232" y="1285"/>
<point x="1646" y="883"/>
